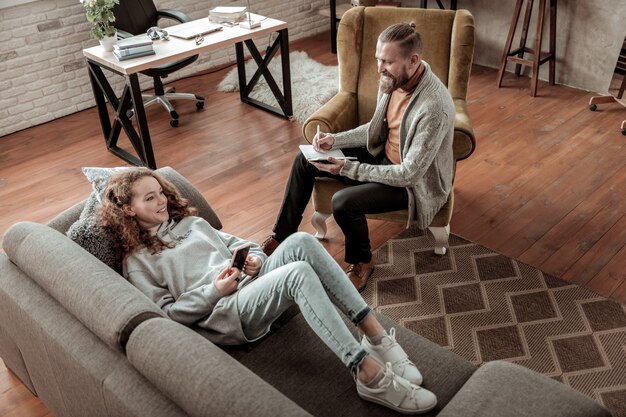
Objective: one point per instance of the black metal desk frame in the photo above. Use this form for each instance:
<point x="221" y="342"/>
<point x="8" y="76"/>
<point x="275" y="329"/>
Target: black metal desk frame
<point x="424" y="4"/>
<point x="131" y="103"/>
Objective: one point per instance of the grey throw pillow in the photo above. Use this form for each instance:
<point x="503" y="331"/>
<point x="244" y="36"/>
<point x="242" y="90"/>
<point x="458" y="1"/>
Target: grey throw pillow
<point x="86" y="231"/>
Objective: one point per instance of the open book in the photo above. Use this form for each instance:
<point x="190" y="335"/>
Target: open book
<point x="312" y="155"/>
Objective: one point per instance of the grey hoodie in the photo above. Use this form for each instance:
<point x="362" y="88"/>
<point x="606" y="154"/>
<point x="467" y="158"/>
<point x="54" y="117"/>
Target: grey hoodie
<point x="180" y="280"/>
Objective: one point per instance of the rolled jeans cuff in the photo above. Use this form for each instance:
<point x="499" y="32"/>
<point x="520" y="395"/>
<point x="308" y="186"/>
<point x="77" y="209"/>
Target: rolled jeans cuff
<point x="360" y="316"/>
<point x="358" y="358"/>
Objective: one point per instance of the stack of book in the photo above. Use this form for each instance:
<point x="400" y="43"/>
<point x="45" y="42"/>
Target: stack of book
<point x="133" y="47"/>
<point x="225" y="14"/>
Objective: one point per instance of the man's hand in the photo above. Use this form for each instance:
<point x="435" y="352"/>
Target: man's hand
<point x="227" y="281"/>
<point x="323" y="142"/>
<point x="252" y="266"/>
<point x="333" y="166"/>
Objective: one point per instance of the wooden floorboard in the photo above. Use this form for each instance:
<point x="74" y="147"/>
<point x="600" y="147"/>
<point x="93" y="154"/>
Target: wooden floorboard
<point x="546" y="184"/>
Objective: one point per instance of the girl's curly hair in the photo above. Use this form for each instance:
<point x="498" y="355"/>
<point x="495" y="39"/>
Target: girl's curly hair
<point x="128" y="235"/>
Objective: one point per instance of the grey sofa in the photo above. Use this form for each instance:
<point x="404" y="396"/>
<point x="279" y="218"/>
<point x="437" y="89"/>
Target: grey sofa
<point x="90" y="344"/>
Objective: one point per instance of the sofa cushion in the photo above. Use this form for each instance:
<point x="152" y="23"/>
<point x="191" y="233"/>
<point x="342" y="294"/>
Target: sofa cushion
<point x="95" y="239"/>
<point x="503" y="389"/>
<point x="301" y="366"/>
<point x="86" y="231"/>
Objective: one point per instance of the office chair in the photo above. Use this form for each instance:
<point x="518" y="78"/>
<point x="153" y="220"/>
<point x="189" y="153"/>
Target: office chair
<point x="136" y="17"/>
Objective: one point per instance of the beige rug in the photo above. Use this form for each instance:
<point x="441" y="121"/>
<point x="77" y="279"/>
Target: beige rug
<point x="485" y="306"/>
<point x="312" y="84"/>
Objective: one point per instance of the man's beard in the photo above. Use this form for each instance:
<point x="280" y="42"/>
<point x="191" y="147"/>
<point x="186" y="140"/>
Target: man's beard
<point x="388" y="83"/>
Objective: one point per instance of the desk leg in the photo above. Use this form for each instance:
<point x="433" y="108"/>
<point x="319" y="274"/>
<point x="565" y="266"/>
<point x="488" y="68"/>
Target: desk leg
<point x="130" y="97"/>
<point x="142" y="144"/>
<point x="245" y="88"/>
<point x="284" y="55"/>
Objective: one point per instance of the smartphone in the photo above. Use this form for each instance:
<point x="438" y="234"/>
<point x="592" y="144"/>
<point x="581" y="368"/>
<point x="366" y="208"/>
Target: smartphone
<point x="239" y="256"/>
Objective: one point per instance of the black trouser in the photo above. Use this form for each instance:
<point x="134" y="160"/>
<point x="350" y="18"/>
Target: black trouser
<point x="350" y="205"/>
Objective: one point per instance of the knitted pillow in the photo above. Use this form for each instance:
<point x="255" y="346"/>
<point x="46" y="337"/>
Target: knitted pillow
<point x="86" y="231"/>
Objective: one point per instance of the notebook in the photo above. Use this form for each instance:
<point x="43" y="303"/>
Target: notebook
<point x="312" y="155"/>
<point x="190" y="30"/>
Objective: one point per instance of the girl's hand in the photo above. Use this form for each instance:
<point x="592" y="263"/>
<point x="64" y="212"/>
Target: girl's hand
<point x="252" y="266"/>
<point x="227" y="281"/>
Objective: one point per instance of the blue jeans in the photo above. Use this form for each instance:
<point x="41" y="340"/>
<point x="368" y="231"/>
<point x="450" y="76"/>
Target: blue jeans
<point x="301" y="271"/>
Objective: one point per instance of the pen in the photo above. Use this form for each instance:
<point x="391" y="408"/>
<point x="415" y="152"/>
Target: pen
<point x="316" y="145"/>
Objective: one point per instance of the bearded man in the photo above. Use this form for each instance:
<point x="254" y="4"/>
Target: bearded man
<point x="403" y="155"/>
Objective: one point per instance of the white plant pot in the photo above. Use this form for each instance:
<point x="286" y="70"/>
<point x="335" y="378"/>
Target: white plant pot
<point x="108" y="42"/>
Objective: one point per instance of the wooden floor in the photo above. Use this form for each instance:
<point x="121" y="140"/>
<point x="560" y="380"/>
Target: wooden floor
<point x="546" y="184"/>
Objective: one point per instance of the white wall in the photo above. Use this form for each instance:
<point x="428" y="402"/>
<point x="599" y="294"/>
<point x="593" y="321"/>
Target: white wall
<point x="589" y="37"/>
<point x="43" y="73"/>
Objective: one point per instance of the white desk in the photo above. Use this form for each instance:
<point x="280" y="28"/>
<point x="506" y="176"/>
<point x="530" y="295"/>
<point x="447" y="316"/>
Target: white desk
<point x="173" y="50"/>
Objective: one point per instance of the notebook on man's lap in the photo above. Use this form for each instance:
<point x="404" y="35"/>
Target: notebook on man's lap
<point x="190" y="30"/>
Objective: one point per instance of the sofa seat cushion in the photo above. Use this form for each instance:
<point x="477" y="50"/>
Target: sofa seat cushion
<point x="503" y="389"/>
<point x="301" y="366"/>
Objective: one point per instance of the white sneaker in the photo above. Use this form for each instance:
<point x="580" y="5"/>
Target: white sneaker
<point x="390" y="351"/>
<point x="398" y="394"/>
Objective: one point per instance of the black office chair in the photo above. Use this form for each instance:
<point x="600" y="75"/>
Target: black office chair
<point x="134" y="17"/>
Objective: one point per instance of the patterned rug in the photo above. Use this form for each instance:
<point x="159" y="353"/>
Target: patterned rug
<point x="485" y="306"/>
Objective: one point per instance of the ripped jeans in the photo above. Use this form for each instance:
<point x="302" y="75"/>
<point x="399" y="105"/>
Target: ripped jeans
<point x="301" y="271"/>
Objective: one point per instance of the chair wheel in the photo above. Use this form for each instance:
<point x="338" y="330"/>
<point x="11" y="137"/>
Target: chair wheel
<point x="624" y="132"/>
<point x="174" y="122"/>
<point x="593" y="107"/>
<point x="199" y="105"/>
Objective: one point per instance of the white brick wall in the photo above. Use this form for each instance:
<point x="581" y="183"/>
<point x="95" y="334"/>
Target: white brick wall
<point x="43" y="73"/>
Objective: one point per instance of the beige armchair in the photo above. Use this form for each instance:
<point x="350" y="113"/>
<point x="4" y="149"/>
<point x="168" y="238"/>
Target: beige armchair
<point x="448" y="38"/>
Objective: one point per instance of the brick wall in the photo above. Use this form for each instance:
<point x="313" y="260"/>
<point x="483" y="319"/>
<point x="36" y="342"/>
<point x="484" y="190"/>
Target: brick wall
<point x="43" y="74"/>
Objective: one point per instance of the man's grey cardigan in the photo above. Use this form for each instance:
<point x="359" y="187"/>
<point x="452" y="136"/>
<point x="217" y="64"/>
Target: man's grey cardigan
<point x="426" y="169"/>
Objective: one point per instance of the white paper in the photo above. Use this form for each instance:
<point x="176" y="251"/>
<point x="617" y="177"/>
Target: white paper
<point x="312" y="155"/>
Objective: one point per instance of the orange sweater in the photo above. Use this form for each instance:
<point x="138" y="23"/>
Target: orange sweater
<point x="397" y="104"/>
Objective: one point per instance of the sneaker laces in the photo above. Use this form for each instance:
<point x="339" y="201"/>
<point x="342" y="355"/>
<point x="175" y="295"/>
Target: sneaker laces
<point x="405" y="360"/>
<point x="398" y="383"/>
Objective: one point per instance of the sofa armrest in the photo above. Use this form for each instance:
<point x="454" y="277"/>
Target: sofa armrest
<point x="99" y="298"/>
<point x="64" y="220"/>
<point x="199" y="376"/>
<point x="337" y="115"/>
<point x="503" y="389"/>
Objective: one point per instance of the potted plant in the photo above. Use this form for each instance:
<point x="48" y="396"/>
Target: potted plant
<point x="100" y="14"/>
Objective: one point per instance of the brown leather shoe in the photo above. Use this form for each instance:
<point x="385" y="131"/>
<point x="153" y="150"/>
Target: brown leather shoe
<point x="269" y="245"/>
<point x="359" y="273"/>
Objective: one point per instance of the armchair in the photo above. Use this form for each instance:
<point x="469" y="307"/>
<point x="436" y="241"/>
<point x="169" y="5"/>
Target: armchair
<point x="136" y="17"/>
<point x="448" y="38"/>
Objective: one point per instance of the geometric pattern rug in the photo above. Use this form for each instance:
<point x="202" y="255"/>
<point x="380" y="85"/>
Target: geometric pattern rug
<point x="485" y="306"/>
